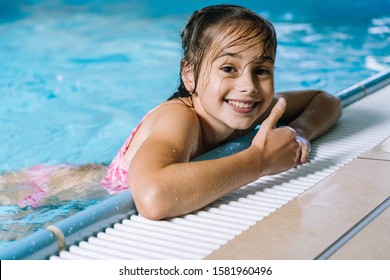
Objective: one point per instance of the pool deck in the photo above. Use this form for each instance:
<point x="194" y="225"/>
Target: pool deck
<point x="345" y="216"/>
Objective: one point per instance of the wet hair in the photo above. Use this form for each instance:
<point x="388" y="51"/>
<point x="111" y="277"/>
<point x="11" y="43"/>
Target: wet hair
<point x="237" y="23"/>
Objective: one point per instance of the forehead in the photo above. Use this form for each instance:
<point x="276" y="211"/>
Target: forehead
<point x="233" y="40"/>
<point x="250" y="53"/>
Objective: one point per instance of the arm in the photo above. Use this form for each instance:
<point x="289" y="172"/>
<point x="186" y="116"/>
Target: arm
<point x="310" y="113"/>
<point x="165" y="184"/>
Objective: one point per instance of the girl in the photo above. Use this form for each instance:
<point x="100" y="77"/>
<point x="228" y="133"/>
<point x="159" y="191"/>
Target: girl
<point x="226" y="89"/>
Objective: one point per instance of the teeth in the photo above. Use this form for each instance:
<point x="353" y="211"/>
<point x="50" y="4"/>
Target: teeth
<point x="239" y="104"/>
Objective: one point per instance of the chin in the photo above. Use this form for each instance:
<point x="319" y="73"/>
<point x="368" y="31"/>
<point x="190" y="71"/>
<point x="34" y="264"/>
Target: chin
<point x="242" y="126"/>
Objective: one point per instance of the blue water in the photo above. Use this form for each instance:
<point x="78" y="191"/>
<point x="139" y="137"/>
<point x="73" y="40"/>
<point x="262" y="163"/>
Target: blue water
<point x="77" y="76"/>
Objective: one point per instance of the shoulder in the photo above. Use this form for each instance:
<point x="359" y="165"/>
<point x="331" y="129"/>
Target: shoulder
<point x="170" y="126"/>
<point x="173" y="112"/>
<point x="172" y="120"/>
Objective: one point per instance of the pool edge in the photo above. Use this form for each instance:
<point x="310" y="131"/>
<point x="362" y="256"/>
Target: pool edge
<point x="43" y="243"/>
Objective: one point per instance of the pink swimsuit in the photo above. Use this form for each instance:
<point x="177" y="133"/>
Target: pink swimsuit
<point x="38" y="178"/>
<point x="114" y="182"/>
<point x="116" y="179"/>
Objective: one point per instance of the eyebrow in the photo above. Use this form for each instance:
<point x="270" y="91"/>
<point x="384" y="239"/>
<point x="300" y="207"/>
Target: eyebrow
<point x="230" y="54"/>
<point x="261" y="58"/>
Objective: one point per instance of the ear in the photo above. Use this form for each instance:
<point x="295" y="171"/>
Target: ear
<point x="187" y="75"/>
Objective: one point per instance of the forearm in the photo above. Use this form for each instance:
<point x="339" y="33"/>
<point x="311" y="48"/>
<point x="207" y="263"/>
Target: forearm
<point x="318" y="116"/>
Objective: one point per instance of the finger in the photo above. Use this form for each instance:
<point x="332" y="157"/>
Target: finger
<point x="302" y="155"/>
<point x="305" y="150"/>
<point x="276" y="113"/>
<point x="298" y="154"/>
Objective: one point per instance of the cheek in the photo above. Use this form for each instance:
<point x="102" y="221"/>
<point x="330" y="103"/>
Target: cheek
<point x="267" y="92"/>
<point x="212" y="90"/>
<point x="267" y="89"/>
<point x="221" y="86"/>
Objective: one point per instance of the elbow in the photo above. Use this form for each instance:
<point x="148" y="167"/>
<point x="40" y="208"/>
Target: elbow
<point x="150" y="209"/>
<point x="150" y="202"/>
<point x="334" y="104"/>
<point x="338" y="106"/>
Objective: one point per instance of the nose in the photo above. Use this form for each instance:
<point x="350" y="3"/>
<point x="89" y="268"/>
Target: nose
<point x="246" y="83"/>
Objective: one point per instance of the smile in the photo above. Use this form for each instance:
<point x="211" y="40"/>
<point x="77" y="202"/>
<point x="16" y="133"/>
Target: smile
<point x="241" y="106"/>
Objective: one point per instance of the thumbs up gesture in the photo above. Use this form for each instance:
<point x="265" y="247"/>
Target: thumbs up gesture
<point x="278" y="148"/>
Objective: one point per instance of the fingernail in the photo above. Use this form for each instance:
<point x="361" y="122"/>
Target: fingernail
<point x="281" y="102"/>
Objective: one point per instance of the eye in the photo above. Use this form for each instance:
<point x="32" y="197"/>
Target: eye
<point x="228" y="69"/>
<point x="262" y="72"/>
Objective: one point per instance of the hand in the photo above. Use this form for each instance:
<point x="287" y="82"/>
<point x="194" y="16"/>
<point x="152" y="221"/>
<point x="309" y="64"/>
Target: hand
<point x="278" y="148"/>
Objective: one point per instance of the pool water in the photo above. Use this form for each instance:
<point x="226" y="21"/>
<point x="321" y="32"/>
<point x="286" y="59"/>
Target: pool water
<point x="77" y="76"/>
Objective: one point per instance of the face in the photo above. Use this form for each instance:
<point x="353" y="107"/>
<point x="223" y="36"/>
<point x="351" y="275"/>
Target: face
<point x="235" y="87"/>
